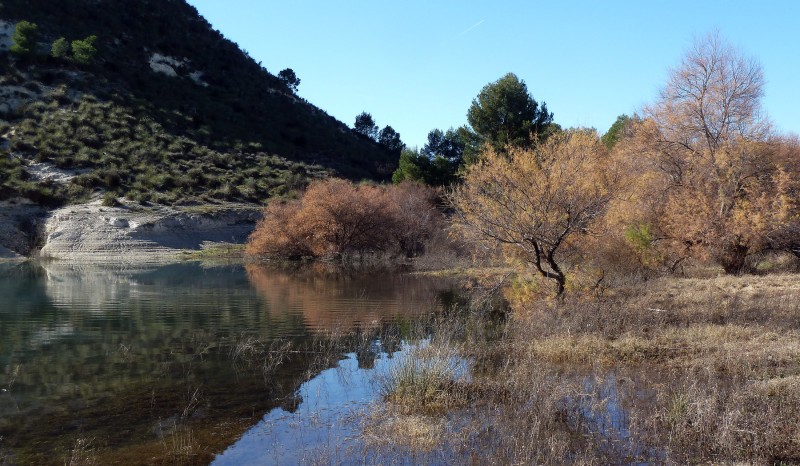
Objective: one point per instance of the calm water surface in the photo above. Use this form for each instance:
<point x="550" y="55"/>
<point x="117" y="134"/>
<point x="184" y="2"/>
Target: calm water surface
<point x="148" y="365"/>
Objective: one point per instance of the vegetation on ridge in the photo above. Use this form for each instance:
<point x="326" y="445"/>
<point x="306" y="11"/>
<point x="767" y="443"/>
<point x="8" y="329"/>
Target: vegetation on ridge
<point x="158" y="67"/>
<point x="138" y="158"/>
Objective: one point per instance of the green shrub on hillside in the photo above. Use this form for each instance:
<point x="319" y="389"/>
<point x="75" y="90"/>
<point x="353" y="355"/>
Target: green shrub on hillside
<point x="138" y="158"/>
<point x="110" y="200"/>
<point x="84" y="51"/>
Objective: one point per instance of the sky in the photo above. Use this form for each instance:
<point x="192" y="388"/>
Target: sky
<point x="417" y="65"/>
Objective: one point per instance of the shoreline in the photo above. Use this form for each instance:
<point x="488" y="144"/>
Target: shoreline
<point x="128" y="232"/>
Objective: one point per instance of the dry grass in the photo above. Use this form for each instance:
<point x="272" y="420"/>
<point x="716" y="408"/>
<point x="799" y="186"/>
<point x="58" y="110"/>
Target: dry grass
<point x="180" y="446"/>
<point x="385" y="428"/>
<point x="672" y="371"/>
<point x="426" y="380"/>
<point x="430" y="376"/>
<point x="727" y="348"/>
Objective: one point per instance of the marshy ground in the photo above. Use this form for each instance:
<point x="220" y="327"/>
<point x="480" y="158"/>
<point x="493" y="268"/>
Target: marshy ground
<point x="666" y="371"/>
<point x="670" y="371"/>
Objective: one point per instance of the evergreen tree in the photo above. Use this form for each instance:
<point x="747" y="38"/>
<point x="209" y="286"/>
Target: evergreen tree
<point x="390" y="139"/>
<point x="504" y="114"/>
<point x="416" y="166"/>
<point x="60" y="48"/>
<point x="84" y="51"/>
<point x="448" y="145"/>
<point x="23" y="42"/>
<point x="289" y="78"/>
<point x="365" y="125"/>
<point x="615" y="132"/>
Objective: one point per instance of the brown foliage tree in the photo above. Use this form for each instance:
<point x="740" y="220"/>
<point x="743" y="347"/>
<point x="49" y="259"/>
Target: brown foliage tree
<point x="786" y="234"/>
<point x="281" y="233"/>
<point x="540" y="203"/>
<point x="336" y="218"/>
<point x="705" y="175"/>
<point x="416" y="218"/>
<point x="728" y="206"/>
<point x="710" y="100"/>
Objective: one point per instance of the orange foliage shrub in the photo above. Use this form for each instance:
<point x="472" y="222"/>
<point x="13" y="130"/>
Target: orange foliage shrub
<point x="416" y="217"/>
<point x="281" y="233"/>
<point x="336" y="218"/>
<point x="346" y="218"/>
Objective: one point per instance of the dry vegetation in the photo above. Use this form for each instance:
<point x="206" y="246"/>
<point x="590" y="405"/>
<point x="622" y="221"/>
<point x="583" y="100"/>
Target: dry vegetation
<point x="427" y="380"/>
<point x="700" y="177"/>
<point x="673" y="371"/>
<point x="534" y="202"/>
<point x="336" y="218"/>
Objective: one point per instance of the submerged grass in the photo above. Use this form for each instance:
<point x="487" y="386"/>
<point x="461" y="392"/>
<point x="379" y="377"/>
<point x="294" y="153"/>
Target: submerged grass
<point x="672" y="371"/>
<point x="82" y="453"/>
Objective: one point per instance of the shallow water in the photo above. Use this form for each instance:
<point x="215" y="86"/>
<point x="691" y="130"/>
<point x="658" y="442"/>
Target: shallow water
<point x="129" y="359"/>
<point x="323" y="428"/>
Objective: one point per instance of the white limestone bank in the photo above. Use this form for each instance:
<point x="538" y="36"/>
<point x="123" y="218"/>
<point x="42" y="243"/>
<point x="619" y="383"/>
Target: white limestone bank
<point x="134" y="233"/>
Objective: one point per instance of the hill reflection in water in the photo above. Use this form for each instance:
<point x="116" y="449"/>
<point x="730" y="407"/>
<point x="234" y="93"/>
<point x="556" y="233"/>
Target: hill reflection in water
<point x="110" y="352"/>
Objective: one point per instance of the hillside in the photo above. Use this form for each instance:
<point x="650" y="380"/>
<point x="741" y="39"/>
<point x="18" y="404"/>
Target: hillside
<point x="167" y="111"/>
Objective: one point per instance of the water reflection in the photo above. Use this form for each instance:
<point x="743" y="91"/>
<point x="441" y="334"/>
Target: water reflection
<point x="111" y="352"/>
<point x="321" y="430"/>
<point x="334" y="302"/>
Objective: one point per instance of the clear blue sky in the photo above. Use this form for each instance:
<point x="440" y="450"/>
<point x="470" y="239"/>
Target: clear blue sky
<point x="416" y="65"/>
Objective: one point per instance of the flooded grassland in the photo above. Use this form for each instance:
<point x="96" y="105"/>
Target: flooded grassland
<point x="672" y="371"/>
<point x="184" y="364"/>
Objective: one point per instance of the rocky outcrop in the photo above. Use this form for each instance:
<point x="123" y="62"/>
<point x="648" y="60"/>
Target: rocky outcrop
<point x="133" y="233"/>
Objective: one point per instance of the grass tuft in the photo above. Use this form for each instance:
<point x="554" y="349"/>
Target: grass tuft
<point x="427" y="380"/>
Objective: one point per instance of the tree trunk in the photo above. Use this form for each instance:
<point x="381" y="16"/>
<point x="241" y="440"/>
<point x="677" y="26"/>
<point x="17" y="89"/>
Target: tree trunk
<point x="732" y="258"/>
<point x="560" y="281"/>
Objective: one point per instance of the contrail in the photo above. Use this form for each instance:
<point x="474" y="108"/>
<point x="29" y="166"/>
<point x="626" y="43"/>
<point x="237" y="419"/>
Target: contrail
<point x="472" y="27"/>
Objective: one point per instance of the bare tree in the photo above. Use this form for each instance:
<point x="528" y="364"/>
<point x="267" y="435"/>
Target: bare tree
<point x="711" y="99"/>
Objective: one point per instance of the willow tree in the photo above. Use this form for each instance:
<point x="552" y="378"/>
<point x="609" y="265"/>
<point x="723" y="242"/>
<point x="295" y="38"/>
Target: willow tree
<point x="539" y="203"/>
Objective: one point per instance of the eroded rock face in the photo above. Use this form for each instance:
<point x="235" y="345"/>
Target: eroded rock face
<point x="171" y="66"/>
<point x="92" y="232"/>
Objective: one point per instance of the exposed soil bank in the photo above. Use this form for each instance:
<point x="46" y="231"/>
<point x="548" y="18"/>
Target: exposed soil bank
<point x="132" y="232"/>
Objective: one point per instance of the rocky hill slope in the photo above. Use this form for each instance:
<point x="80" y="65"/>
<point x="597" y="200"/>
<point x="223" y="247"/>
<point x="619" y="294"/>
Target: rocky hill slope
<point x="161" y="109"/>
